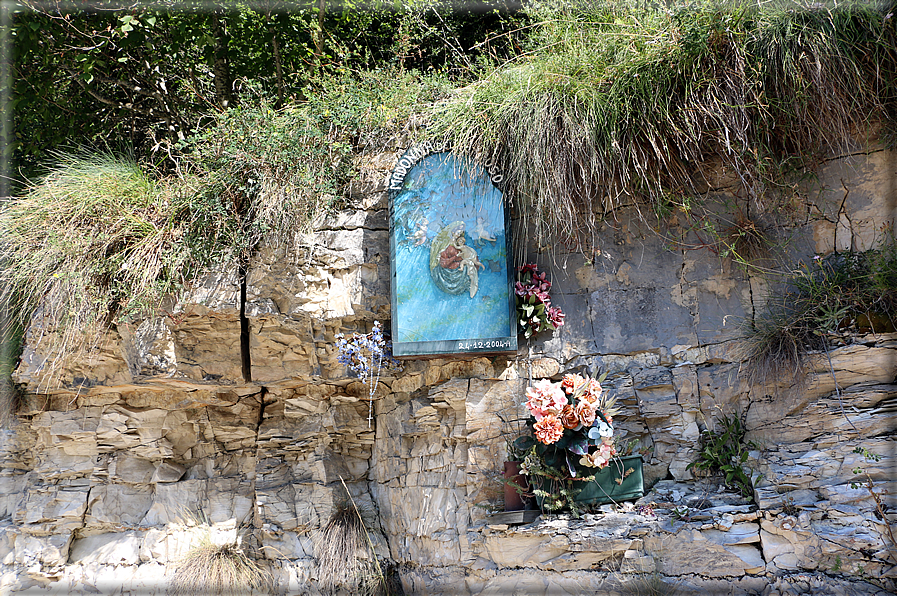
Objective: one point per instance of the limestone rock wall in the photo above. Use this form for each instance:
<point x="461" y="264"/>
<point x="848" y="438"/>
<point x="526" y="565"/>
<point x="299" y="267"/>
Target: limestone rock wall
<point x="122" y="461"/>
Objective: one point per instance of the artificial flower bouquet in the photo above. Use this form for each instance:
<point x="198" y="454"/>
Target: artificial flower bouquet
<point x="534" y="310"/>
<point x="572" y="438"/>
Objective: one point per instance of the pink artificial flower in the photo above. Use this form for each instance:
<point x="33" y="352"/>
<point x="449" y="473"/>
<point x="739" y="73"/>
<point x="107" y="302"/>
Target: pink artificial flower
<point x="602" y="456"/>
<point x="556" y="316"/>
<point x="545" y="398"/>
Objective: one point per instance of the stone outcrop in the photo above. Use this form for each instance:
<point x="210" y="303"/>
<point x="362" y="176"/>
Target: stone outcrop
<point x="123" y="460"/>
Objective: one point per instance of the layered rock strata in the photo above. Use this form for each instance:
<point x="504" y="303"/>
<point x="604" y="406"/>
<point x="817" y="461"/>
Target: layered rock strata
<point x="121" y="461"/>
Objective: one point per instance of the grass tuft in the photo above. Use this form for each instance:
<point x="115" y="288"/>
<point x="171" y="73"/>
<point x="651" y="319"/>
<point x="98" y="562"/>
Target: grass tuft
<point x="640" y="575"/>
<point x="344" y="554"/>
<point x="649" y="584"/>
<point x="220" y="570"/>
<point x="817" y="306"/>
<point x="94" y="240"/>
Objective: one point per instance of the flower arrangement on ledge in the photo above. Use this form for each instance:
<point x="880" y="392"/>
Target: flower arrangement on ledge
<point x="572" y="437"/>
<point x="534" y="311"/>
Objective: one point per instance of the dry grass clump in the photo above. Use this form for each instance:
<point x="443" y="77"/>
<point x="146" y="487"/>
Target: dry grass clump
<point x="819" y="305"/>
<point x="649" y="584"/>
<point x="776" y="346"/>
<point x="345" y="554"/>
<point x="220" y="570"/>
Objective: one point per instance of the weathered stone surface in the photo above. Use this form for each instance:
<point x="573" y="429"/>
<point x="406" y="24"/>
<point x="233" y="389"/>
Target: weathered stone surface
<point x="111" y="506"/>
<point x="121" y="548"/>
<point x="153" y="441"/>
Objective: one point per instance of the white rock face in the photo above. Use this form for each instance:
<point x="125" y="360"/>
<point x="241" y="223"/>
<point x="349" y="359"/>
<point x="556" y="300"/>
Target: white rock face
<point x="121" y="464"/>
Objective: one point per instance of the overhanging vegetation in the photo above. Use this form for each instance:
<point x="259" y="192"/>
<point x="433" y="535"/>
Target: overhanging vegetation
<point x="613" y="104"/>
<point x="605" y="104"/>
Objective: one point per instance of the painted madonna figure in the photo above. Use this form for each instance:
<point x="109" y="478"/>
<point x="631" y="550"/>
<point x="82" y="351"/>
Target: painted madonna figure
<point x="454" y="266"/>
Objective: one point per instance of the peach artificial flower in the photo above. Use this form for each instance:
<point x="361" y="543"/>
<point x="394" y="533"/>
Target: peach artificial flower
<point x="594" y="460"/>
<point x="569" y="418"/>
<point x="592" y="393"/>
<point x="570" y="383"/>
<point x="549" y="429"/>
<point x="585" y="413"/>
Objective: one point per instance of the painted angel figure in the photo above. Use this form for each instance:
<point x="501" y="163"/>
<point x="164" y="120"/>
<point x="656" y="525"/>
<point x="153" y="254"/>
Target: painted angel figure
<point x="480" y="234"/>
<point x="420" y="234"/>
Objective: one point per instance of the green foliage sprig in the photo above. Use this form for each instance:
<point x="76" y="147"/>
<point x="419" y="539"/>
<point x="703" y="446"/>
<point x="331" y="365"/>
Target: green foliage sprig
<point x="726" y="452"/>
<point x="869" y="485"/>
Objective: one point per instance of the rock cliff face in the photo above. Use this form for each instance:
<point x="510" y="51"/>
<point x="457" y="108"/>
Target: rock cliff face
<point x="173" y="429"/>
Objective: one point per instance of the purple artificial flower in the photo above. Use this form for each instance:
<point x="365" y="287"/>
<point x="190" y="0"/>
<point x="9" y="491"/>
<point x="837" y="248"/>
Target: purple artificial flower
<point x="556" y="316"/>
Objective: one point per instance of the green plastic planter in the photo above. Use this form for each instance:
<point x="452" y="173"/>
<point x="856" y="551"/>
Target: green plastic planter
<point x="621" y="480"/>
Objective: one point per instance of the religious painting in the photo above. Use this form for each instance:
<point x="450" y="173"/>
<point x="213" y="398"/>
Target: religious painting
<point x="452" y="289"/>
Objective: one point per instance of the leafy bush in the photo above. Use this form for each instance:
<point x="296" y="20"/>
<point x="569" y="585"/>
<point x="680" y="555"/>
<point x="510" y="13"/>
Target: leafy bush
<point x="275" y="169"/>
<point x="725" y="452"/>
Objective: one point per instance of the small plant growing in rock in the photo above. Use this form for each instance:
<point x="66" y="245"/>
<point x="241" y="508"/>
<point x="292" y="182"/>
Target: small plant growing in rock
<point x="725" y="452"/>
<point x="367" y="354"/>
<point x="820" y="304"/>
<point x="880" y="507"/>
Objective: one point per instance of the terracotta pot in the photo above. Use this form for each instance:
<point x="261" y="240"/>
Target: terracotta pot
<point x="513" y="499"/>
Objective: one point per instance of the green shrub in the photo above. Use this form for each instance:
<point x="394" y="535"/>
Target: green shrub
<point x="273" y="170"/>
